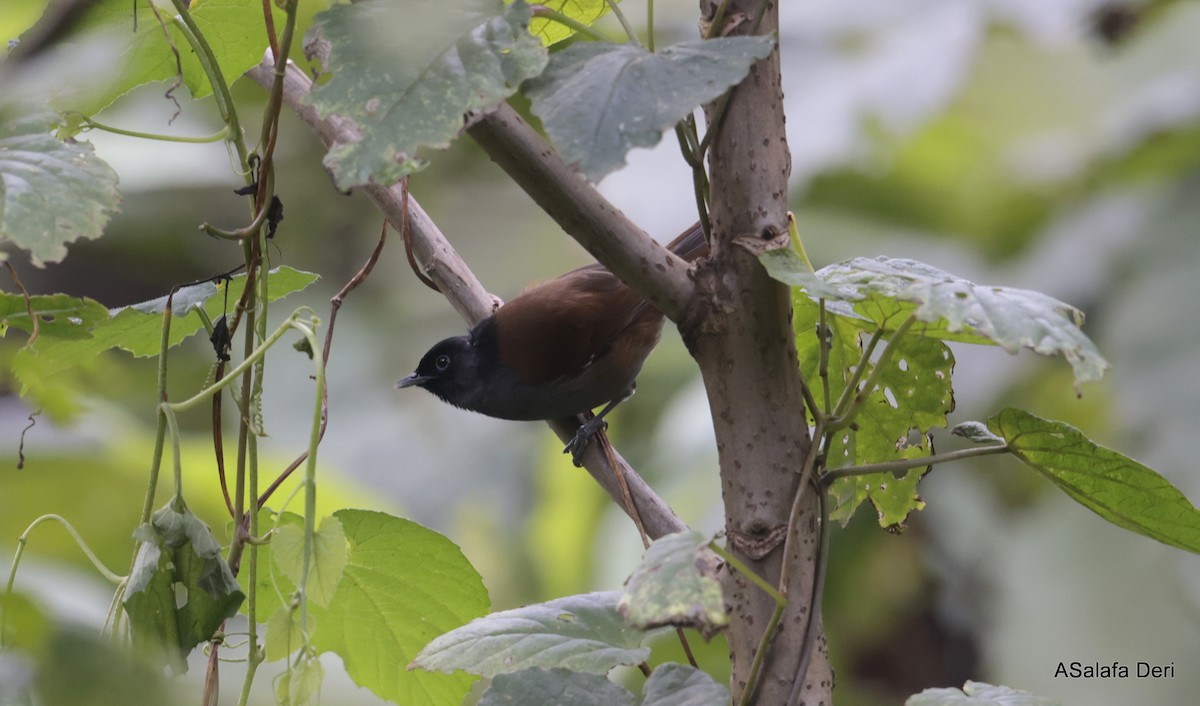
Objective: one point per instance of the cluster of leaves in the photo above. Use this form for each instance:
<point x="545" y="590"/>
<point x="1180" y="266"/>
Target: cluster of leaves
<point x="889" y="400"/>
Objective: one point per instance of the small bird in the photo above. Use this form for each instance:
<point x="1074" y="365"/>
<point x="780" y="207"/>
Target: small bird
<point x="557" y="350"/>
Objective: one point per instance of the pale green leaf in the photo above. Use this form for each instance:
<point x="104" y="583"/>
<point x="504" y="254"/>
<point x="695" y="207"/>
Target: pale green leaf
<point x="58" y="315"/>
<point x="583" y="633"/>
<point x="138" y="329"/>
<point x="283" y="635"/>
<point x="976" y="693"/>
<point x="1119" y="489"/>
<point x="914" y="396"/>
<point x="585" y="11"/>
<point x="301" y="683"/>
<point x="554" y="686"/>
<point x="888" y="290"/>
<point x="326" y="563"/>
<point x="233" y="29"/>
<point x="403" y="585"/>
<point x="673" y="585"/>
<point x="406" y="73"/>
<point x="51" y="192"/>
<point x="599" y="100"/>
<point x="681" y="685"/>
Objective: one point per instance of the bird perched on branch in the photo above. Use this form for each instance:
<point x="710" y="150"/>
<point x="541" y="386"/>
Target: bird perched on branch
<point x="557" y="350"/>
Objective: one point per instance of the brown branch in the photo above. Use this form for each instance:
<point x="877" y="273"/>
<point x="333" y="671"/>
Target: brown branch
<point x="745" y="347"/>
<point x="580" y="210"/>
<point x="462" y="289"/>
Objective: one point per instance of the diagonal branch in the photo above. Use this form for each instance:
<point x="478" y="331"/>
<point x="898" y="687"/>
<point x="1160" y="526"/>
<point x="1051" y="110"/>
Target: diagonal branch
<point x="580" y="210"/>
<point x="464" y="292"/>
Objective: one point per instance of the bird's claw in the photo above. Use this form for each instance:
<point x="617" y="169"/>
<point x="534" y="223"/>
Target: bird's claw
<point x="579" y="443"/>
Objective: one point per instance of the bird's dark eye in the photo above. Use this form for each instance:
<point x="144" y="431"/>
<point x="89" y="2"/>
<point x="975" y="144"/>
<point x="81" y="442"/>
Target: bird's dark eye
<point x="442" y="362"/>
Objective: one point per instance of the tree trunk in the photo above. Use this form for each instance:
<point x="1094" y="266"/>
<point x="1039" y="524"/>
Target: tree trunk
<point x="740" y="332"/>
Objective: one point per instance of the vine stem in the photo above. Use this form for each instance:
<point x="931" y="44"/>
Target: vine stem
<point x="223" y="133"/>
<point x="208" y="61"/>
<point x="856" y="377"/>
<point x="23" y="540"/>
<point x="905" y="464"/>
<point x="250" y="360"/>
<point x="814" y="605"/>
<point x="764" y="643"/>
<point x="625" y="24"/>
<point x="310" y="468"/>
<point x="843" y="420"/>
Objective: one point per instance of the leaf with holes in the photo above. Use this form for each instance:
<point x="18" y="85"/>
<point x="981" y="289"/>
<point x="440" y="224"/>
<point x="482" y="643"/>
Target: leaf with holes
<point x="598" y="100"/>
<point x="1114" y="486"/>
<point x="58" y="315"/>
<point x="673" y="585"/>
<point x="913" y="396"/>
<point x="180" y="589"/>
<point x="51" y="192"/>
<point x="886" y="291"/>
<point x="442" y="60"/>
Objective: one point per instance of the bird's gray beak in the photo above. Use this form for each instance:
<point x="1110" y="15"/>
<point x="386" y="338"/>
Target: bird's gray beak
<point x="414" y="380"/>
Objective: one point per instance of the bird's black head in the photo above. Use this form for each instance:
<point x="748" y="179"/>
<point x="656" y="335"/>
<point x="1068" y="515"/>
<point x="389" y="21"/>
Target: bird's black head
<point x="448" y="370"/>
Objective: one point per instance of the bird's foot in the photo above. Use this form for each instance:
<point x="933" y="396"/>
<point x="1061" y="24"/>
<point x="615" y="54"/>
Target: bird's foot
<point x="579" y="443"/>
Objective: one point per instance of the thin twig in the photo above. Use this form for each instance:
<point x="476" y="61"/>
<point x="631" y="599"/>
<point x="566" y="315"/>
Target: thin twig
<point x="905" y="464"/>
<point x="335" y="305"/>
<point x="814" y="605"/>
<point x="35" y="328"/>
<point x="170" y="93"/>
<point x="406" y="236"/>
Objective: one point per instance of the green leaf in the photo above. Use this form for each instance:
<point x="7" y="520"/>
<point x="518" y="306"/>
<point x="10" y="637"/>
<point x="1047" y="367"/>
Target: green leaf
<point x="233" y="29"/>
<point x="1119" y="489"/>
<point x="283" y="635"/>
<point x="442" y="60"/>
<point x="888" y="290"/>
<point x="671" y="587"/>
<point x="81" y="667"/>
<point x="138" y="328"/>
<point x="976" y="693"/>
<point x="585" y="11"/>
<point x="582" y="633"/>
<point x="599" y="100"/>
<point x="554" y="686"/>
<point x="402" y="586"/>
<point x="327" y="562"/>
<point x="914" y="396"/>
<point x="51" y="192"/>
<point x="681" y="685"/>
<point x="301" y="683"/>
<point x="784" y="265"/>
<point x="25" y="627"/>
<point x="180" y="589"/>
<point x="58" y="315"/>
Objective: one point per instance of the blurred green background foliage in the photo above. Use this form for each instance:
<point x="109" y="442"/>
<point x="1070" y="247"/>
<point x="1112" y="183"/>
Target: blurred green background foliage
<point x="1008" y="141"/>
